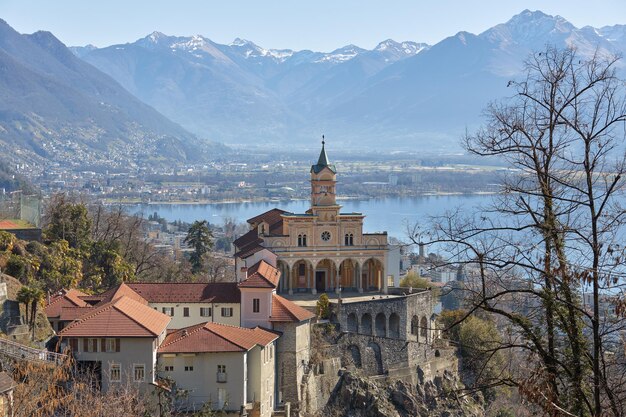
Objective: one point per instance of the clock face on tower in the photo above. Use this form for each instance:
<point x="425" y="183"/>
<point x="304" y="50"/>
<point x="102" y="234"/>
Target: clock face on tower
<point x="325" y="236"/>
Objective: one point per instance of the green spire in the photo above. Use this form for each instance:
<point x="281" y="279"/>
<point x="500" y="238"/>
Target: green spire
<point x="322" y="162"/>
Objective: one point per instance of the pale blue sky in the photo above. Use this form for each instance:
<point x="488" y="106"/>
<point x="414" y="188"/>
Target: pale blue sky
<point x="298" y="24"/>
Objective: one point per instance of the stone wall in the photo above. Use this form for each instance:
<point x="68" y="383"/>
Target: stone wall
<point x="293" y="356"/>
<point x="405" y="317"/>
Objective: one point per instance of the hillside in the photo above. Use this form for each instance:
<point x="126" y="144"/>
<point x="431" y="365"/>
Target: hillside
<point x="56" y="107"/>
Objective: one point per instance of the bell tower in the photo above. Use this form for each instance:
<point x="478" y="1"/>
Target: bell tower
<point x="323" y="181"/>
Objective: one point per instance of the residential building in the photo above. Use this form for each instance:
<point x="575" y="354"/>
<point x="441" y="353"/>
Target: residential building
<point x="230" y="367"/>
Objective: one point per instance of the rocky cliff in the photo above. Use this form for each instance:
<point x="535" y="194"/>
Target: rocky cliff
<point x="355" y="396"/>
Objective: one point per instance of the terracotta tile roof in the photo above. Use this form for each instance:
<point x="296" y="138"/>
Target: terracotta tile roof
<point x="72" y="313"/>
<point x="250" y="249"/>
<point x="65" y="298"/>
<point x="187" y="292"/>
<point x="261" y="275"/>
<point x="122" y="317"/>
<point x="119" y="291"/>
<point x="271" y="217"/>
<point x="251" y="236"/>
<point x="215" y="337"/>
<point x="284" y="310"/>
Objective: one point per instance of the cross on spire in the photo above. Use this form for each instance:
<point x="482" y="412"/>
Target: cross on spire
<point x="323" y="142"/>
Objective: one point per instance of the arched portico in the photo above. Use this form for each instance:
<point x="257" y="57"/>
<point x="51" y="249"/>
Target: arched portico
<point x="373" y="275"/>
<point x="349" y="273"/>
<point x="326" y="276"/>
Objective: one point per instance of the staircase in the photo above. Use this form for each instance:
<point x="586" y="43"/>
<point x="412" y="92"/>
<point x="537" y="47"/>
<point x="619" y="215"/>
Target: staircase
<point x="22" y="352"/>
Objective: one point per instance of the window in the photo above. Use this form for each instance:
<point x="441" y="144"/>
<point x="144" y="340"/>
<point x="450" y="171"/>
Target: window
<point x="90" y="345"/>
<point x="325" y="236"/>
<point x="168" y="310"/>
<point x="221" y="373"/>
<point x="111" y="345"/>
<point x="301" y="240"/>
<point x="205" y="312"/>
<point x="301" y="269"/>
<point x="349" y="239"/>
<point x="74" y="345"/>
<point x="168" y="363"/>
<point x="188" y="363"/>
<point x="115" y="372"/>
<point x="256" y="305"/>
<point x="185" y="311"/>
<point x="139" y="372"/>
<point x="227" y="311"/>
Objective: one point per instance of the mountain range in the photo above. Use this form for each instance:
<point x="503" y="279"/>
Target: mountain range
<point x="55" y="106"/>
<point x="408" y="94"/>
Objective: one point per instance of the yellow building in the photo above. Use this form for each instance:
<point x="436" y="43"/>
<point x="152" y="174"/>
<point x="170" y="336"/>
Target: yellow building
<point x="321" y="250"/>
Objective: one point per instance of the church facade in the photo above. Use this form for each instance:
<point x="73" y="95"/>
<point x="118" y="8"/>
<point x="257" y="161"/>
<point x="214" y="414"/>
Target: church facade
<point x="321" y="250"/>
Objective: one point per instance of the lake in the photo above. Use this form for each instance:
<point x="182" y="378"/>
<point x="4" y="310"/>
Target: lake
<point x="383" y="214"/>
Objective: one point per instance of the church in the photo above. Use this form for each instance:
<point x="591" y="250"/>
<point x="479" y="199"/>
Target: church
<point x="322" y="249"/>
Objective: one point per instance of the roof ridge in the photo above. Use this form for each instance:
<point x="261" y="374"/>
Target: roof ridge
<point x="225" y="338"/>
<point x="88" y="316"/>
<point x="198" y="327"/>
<point x="117" y="300"/>
<point x="280" y="301"/>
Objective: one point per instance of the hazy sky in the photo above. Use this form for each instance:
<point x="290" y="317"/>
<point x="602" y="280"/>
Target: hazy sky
<point x="298" y="24"/>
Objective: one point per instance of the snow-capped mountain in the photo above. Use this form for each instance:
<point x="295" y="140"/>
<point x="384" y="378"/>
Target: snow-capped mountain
<point x="409" y="93"/>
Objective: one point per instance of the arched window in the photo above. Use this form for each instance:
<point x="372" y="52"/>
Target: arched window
<point x="366" y="324"/>
<point x="415" y="326"/>
<point x="346" y="240"/>
<point x="303" y="240"/>
<point x="353" y="324"/>
<point x="351" y="239"/>
<point x="394" y="325"/>
<point x="381" y="325"/>
<point x="301" y="269"/>
<point x="424" y="329"/>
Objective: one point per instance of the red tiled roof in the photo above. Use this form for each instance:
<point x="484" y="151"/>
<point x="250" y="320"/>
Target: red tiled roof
<point x="119" y="291"/>
<point x="248" y="238"/>
<point x="261" y="275"/>
<point x="215" y="337"/>
<point x="72" y="313"/>
<point x="65" y="298"/>
<point x="284" y="310"/>
<point x="270" y="217"/>
<point x="250" y="249"/>
<point x="187" y="292"/>
<point x="122" y="317"/>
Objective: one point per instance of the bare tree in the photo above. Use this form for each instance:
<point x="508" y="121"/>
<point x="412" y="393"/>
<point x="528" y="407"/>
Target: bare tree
<point x="553" y="234"/>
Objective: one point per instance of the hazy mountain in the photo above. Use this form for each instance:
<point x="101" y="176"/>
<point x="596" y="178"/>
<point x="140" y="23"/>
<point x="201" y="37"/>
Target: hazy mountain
<point x="410" y="94"/>
<point x="56" y="106"/>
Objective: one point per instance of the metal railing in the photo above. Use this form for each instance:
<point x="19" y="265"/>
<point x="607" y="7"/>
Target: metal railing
<point x="18" y="351"/>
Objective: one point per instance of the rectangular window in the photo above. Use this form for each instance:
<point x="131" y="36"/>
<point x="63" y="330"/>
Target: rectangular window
<point x="256" y="305"/>
<point x="185" y="311"/>
<point x="168" y="364"/>
<point x="92" y="345"/>
<point x="205" y="312"/>
<point x="115" y="372"/>
<point x="227" y="311"/>
<point x="168" y="311"/>
<point x="112" y="345"/>
<point x="189" y="364"/>
<point x="221" y="373"/>
<point x="139" y="373"/>
<point x="74" y="345"/>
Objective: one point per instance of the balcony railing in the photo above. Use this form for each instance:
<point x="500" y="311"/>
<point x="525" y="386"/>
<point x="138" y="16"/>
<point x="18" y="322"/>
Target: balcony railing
<point x="221" y="377"/>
